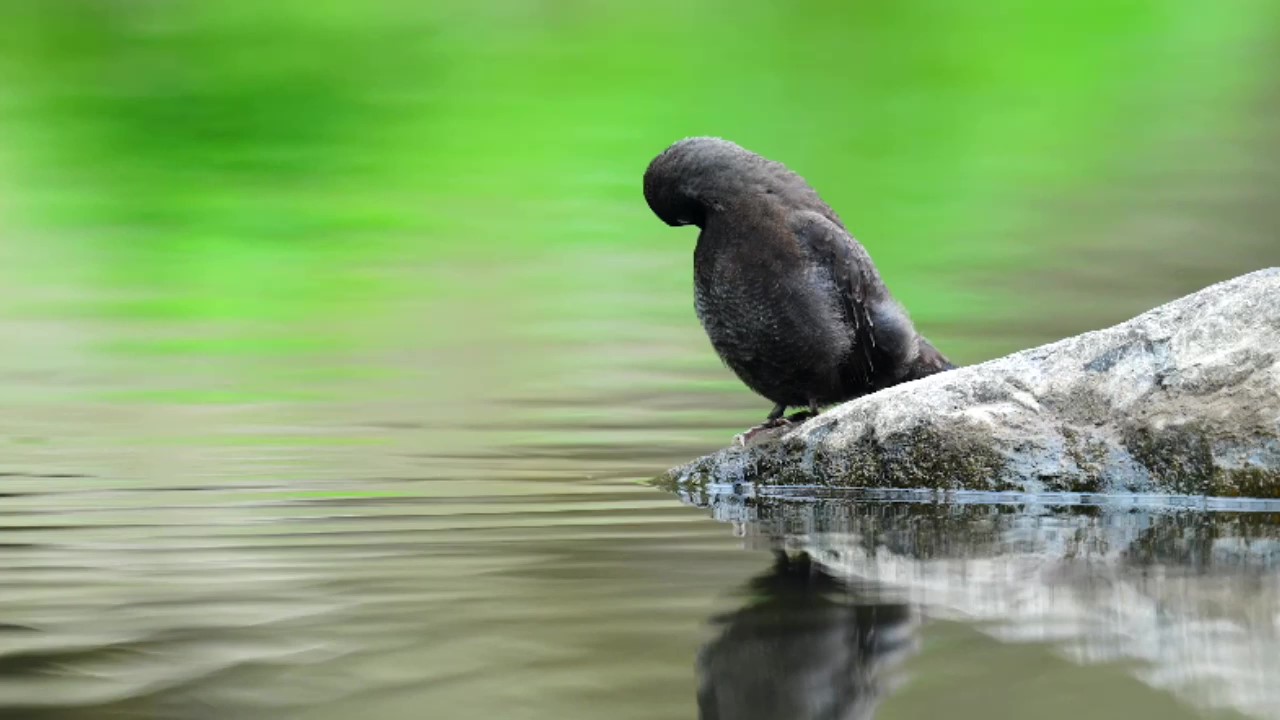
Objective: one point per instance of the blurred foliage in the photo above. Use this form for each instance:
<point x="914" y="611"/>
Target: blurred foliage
<point x="273" y="160"/>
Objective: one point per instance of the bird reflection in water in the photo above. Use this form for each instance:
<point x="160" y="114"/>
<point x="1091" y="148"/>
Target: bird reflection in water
<point x="807" y="647"/>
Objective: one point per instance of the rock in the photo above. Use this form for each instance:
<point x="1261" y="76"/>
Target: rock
<point x="1183" y="399"/>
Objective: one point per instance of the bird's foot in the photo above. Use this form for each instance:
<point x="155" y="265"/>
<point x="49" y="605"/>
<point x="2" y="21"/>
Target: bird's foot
<point x="768" y="427"/>
<point x="774" y="426"/>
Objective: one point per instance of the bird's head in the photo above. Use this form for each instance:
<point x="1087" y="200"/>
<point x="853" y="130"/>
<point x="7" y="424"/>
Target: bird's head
<point x="699" y="176"/>
<point x="696" y="176"/>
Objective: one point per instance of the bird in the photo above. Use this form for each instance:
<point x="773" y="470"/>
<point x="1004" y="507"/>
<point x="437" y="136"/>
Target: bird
<point x="791" y="302"/>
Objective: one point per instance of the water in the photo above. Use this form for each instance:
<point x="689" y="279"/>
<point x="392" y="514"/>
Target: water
<point x="338" y="347"/>
<point x="415" y="527"/>
<point x="895" y="599"/>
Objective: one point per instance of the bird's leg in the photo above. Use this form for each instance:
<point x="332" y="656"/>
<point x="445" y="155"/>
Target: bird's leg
<point x="775" y="414"/>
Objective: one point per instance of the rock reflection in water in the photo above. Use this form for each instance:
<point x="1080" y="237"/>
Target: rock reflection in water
<point x="806" y="646"/>
<point x="1187" y="598"/>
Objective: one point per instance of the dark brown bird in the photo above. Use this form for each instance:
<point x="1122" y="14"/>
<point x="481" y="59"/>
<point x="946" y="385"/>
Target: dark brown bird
<point x="792" y="302"/>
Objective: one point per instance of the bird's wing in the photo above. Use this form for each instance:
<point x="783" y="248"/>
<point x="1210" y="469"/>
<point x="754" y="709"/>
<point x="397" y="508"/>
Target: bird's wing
<point x="832" y="249"/>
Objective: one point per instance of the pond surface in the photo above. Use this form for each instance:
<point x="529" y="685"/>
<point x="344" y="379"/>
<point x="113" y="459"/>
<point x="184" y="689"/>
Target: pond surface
<point x="338" y="347"/>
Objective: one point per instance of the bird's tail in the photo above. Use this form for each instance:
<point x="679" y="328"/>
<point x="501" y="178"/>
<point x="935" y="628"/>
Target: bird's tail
<point x="928" y="362"/>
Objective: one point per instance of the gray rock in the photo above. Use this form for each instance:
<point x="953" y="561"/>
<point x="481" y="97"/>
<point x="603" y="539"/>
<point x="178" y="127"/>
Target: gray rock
<point x="1184" y="399"/>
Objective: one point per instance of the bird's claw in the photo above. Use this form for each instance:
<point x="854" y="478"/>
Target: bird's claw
<point x="771" y="427"/>
<point x="743" y="438"/>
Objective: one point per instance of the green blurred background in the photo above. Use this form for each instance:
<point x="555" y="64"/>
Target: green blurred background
<point x="266" y="161"/>
<point x="225" y="204"/>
